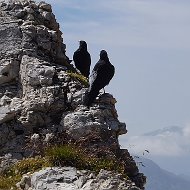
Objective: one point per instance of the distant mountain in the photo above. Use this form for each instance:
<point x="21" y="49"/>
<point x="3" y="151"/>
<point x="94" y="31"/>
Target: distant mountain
<point x="160" y="179"/>
<point x="166" y="130"/>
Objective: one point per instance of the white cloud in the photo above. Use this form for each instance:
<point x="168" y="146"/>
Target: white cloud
<point x="138" y="23"/>
<point x="186" y="131"/>
<point x="164" y="144"/>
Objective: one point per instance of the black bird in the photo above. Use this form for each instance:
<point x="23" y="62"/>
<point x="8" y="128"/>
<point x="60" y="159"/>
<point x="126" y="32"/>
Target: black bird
<point x="82" y="59"/>
<point x="102" y="73"/>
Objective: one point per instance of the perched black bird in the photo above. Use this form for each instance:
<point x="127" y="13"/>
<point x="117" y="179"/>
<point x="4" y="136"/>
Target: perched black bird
<point x="82" y="59"/>
<point x="102" y="73"/>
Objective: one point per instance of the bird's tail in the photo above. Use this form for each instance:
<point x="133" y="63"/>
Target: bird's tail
<point x="89" y="97"/>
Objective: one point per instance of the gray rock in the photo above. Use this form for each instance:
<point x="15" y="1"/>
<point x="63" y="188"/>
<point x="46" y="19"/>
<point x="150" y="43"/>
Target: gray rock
<point x="84" y="121"/>
<point x="68" y="178"/>
<point x="25" y="183"/>
<point x="45" y="6"/>
<point x="5" y="100"/>
<point x="6" y="114"/>
<point x="35" y="73"/>
<point x="6" y="162"/>
<point x="27" y="92"/>
<point x="9" y="70"/>
<point x="4" y="133"/>
<point x="11" y="38"/>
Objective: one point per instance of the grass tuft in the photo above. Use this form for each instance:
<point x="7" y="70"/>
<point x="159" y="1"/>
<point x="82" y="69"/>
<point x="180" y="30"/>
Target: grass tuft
<point x="10" y="177"/>
<point x="82" y="79"/>
<point x="65" y="155"/>
<point x="68" y="155"/>
<point x="106" y="164"/>
<point x="31" y="165"/>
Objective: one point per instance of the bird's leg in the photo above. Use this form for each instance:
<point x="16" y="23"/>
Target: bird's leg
<point x="104" y="90"/>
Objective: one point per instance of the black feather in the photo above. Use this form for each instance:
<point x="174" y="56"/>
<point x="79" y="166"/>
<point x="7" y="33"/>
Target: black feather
<point x="82" y="59"/>
<point x="102" y="73"/>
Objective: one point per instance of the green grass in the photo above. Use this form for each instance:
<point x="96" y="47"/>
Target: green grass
<point x="82" y="79"/>
<point x="68" y="155"/>
<point x="31" y="165"/>
<point x="13" y="175"/>
<point x="106" y="164"/>
<point x="9" y="182"/>
<point x="65" y="155"/>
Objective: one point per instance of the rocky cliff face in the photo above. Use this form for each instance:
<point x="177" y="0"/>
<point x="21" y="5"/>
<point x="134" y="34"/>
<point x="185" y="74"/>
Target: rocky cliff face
<point x="39" y="99"/>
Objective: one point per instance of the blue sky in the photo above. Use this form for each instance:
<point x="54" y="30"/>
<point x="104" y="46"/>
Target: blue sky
<point x="148" y="43"/>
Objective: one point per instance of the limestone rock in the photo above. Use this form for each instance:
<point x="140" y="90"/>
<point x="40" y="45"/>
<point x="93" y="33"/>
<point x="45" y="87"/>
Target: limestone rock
<point x="100" y="117"/>
<point x="68" y="178"/>
<point x="9" y="70"/>
<point x="6" y="162"/>
<point x="31" y="51"/>
<point x="45" y="6"/>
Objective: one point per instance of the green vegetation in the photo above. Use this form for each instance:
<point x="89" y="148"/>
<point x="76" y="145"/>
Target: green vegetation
<point x="82" y="79"/>
<point x="68" y="155"/>
<point x="107" y="164"/>
<point x="31" y="165"/>
<point x="13" y="175"/>
<point x="65" y="155"/>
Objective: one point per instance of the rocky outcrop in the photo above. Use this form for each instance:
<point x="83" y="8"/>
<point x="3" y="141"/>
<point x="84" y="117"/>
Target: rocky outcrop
<point x="32" y="64"/>
<point x="69" y="178"/>
<point x="82" y="121"/>
<point x="40" y="100"/>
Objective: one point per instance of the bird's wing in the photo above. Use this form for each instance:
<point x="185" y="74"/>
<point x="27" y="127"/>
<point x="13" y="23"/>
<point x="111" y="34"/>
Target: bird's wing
<point x="93" y="77"/>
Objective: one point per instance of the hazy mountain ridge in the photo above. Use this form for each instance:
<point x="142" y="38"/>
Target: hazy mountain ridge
<point x="160" y="179"/>
<point x="180" y="181"/>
